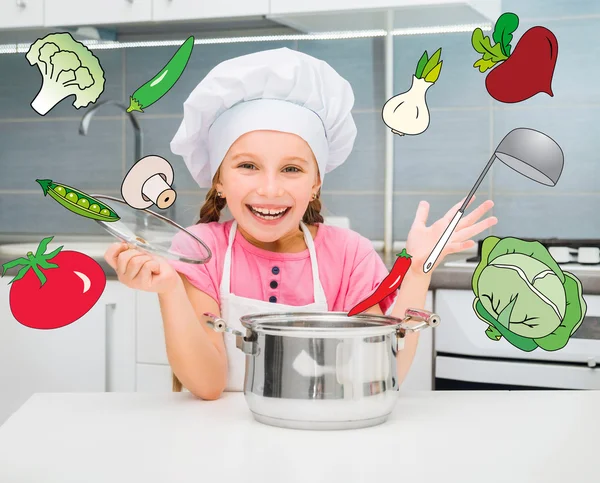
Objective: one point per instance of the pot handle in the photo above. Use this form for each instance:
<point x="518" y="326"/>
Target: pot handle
<point x="427" y="319"/>
<point x="218" y="324"/>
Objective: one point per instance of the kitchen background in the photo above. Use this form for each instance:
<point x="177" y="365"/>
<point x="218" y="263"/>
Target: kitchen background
<point x="439" y="165"/>
<point x="119" y="344"/>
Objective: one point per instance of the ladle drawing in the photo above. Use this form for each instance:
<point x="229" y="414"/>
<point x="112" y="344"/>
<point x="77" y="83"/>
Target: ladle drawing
<point x="527" y="151"/>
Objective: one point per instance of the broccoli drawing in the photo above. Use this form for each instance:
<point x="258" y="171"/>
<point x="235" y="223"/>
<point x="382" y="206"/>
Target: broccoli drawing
<point x="68" y="68"/>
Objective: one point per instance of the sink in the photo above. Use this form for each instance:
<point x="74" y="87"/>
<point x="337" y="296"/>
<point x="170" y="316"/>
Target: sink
<point x="95" y="250"/>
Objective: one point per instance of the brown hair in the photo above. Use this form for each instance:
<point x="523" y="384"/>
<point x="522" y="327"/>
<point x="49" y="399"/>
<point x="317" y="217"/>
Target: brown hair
<point x="211" y="211"/>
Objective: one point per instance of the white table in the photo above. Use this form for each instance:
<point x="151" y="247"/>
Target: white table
<point x="482" y="437"/>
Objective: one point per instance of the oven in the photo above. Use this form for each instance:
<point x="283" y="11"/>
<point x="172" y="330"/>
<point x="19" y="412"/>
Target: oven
<point x="466" y="359"/>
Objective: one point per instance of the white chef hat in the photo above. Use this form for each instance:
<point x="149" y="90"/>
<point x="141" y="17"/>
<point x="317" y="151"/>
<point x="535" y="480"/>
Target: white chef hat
<point x="280" y="90"/>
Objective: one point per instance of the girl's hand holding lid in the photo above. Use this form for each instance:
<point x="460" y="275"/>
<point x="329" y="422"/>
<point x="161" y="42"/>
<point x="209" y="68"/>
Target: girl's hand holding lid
<point x="140" y="270"/>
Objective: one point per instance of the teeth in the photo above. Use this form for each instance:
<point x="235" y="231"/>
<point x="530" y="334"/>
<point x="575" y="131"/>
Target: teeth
<point x="265" y="211"/>
<point x="268" y="214"/>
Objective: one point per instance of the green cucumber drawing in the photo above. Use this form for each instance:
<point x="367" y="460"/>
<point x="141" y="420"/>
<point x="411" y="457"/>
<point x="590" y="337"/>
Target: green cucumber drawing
<point x="161" y="83"/>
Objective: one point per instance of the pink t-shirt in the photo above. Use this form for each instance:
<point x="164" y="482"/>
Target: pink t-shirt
<point x="349" y="268"/>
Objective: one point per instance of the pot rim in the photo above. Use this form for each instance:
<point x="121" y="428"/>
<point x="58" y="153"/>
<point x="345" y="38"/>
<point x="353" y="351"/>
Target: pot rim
<point x="278" y="324"/>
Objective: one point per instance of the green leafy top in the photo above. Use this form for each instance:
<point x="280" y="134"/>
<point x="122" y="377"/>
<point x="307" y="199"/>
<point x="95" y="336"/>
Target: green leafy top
<point x="32" y="261"/>
<point x="429" y="68"/>
<point x="403" y="254"/>
<point x="506" y="24"/>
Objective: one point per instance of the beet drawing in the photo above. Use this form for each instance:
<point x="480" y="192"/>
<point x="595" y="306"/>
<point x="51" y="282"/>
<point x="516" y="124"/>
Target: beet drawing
<point x="522" y="73"/>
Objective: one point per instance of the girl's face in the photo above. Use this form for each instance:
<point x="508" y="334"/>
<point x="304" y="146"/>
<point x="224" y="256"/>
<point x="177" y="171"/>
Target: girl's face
<point x="268" y="179"/>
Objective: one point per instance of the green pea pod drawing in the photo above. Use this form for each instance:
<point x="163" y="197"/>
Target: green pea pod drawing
<point x="77" y="201"/>
<point x="161" y="83"/>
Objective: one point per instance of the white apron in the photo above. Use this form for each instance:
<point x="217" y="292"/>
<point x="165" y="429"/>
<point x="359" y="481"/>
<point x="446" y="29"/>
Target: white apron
<point x="234" y="307"/>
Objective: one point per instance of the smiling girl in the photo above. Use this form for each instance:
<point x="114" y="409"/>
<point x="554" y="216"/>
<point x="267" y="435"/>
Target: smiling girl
<point x="261" y="131"/>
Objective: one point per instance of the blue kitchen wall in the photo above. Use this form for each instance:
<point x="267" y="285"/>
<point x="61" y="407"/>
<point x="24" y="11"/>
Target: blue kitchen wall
<point x="439" y="165"/>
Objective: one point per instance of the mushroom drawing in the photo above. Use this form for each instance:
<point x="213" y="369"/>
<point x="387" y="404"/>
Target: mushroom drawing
<point x="148" y="183"/>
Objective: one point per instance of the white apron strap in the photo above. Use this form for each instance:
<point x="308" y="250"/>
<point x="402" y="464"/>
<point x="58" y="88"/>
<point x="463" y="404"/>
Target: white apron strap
<point x="319" y="292"/>
<point x="226" y="277"/>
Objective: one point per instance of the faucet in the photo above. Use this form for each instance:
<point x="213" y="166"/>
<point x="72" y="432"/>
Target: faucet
<point x="83" y="129"/>
<point x="85" y="123"/>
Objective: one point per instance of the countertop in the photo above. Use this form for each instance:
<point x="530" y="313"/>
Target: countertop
<point x="487" y="436"/>
<point x="443" y="277"/>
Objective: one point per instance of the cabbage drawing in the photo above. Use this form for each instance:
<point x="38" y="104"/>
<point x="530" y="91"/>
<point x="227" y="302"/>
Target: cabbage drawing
<point x="524" y="296"/>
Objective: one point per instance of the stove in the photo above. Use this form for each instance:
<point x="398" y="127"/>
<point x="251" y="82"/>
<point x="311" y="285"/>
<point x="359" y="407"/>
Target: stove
<point x="467" y="359"/>
<point x="570" y="254"/>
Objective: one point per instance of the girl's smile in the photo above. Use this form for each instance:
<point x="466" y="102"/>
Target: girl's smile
<point x="268" y="215"/>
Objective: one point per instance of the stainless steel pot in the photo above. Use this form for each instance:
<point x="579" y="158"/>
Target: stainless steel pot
<point x="322" y="370"/>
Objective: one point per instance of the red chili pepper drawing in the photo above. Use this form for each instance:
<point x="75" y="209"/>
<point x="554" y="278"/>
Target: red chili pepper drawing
<point x="388" y="285"/>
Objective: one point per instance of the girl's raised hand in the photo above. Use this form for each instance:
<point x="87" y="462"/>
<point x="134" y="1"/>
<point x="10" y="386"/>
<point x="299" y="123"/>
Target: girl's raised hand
<point x="140" y="270"/>
<point x="422" y="239"/>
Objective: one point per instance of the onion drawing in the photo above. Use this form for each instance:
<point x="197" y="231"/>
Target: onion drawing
<point x="407" y="113"/>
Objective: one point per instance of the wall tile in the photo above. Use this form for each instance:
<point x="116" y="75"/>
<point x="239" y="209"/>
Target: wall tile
<point x="365" y="168"/>
<point x="58" y="152"/>
<point x="187" y="208"/>
<point x="21" y="82"/>
<point x="364" y="211"/>
<point x="448" y="156"/>
<point x="359" y="61"/>
<point x="144" y="63"/>
<point x="158" y="133"/>
<point x="459" y="84"/>
<point x="571" y="128"/>
<point x="443" y="162"/>
<point x="25" y="213"/>
<point x="564" y="216"/>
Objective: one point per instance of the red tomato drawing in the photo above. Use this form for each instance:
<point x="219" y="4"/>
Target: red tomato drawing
<point x="56" y="289"/>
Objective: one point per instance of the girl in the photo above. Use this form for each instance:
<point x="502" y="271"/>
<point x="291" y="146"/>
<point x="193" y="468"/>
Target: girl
<point x="261" y="131"/>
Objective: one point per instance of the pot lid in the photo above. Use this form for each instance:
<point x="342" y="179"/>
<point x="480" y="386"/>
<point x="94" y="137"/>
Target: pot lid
<point x="153" y="232"/>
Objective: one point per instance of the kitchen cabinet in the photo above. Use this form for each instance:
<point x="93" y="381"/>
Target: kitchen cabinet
<point x="75" y="358"/>
<point x="313" y="16"/>
<point x="153" y="378"/>
<point x="192" y="9"/>
<point x="153" y="369"/>
<point x="120" y="319"/>
<point x="313" y="6"/>
<point x="21" y="13"/>
<point x="151" y="348"/>
<point x="61" y="13"/>
<point x="420" y="375"/>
